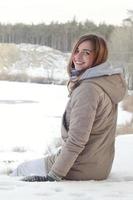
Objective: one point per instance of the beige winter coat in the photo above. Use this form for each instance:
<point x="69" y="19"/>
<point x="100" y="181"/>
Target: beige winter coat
<point x="88" y="129"/>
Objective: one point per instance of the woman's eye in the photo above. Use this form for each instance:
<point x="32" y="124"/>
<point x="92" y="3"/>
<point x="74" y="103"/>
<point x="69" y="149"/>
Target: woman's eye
<point x="84" y="53"/>
<point x="87" y="53"/>
<point x="76" y="51"/>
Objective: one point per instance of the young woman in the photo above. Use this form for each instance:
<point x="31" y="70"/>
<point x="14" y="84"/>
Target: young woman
<point x="89" y="121"/>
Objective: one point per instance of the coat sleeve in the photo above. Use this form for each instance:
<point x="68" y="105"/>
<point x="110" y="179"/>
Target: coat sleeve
<point x="84" y="103"/>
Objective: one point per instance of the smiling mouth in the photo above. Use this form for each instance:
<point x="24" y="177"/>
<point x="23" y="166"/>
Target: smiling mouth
<point x="79" y="63"/>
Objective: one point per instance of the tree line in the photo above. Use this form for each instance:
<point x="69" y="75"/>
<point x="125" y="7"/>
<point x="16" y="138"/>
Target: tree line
<point x="59" y="36"/>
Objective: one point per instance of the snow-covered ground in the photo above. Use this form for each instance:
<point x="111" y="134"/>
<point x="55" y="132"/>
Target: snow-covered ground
<point x="30" y="116"/>
<point x="33" y="63"/>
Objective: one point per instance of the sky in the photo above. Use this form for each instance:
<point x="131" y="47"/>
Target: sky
<point x="46" y="11"/>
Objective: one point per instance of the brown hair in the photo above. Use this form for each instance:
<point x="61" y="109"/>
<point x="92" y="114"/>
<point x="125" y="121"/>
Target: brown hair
<point x="100" y="47"/>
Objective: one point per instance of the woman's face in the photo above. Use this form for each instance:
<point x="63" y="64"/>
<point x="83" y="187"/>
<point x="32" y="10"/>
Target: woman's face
<point x="84" y="56"/>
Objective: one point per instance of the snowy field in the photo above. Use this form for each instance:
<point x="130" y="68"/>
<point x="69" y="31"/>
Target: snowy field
<point x="30" y="116"/>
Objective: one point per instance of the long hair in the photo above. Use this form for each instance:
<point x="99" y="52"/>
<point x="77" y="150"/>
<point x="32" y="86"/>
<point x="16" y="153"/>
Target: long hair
<point x="100" y="48"/>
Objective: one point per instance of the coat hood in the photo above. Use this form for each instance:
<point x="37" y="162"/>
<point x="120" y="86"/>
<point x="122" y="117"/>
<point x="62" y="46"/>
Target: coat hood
<point x="109" y="79"/>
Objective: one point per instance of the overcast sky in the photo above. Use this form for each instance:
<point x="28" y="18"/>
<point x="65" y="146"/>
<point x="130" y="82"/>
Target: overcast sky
<point x="39" y="11"/>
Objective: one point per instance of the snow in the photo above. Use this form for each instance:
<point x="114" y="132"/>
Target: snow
<point x="28" y="111"/>
<point x="33" y="63"/>
<point x="30" y="116"/>
<point x="123" y="117"/>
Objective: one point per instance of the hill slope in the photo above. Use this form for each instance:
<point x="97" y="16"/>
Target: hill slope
<point x="33" y="63"/>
